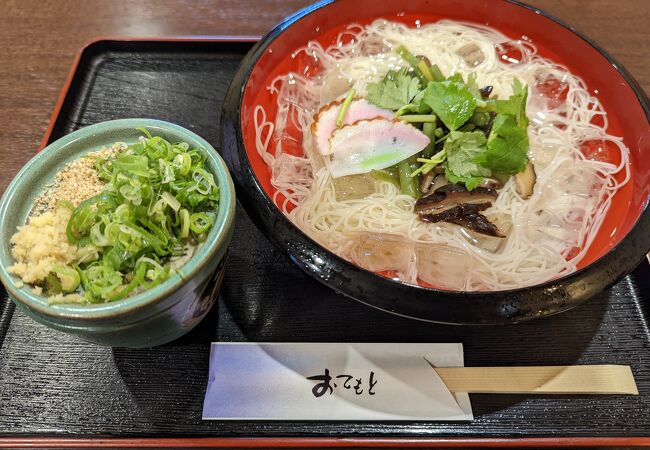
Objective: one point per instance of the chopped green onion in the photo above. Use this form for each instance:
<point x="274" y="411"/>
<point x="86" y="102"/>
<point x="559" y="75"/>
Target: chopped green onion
<point x="99" y="234"/>
<point x="132" y="165"/>
<point x="185" y="223"/>
<point x="166" y="171"/>
<point x="144" y="131"/>
<point x="171" y="201"/>
<point x="67" y="204"/>
<point x="200" y="222"/>
<point x="68" y="277"/>
<point x="344" y="108"/>
<point x="159" y="198"/>
<point x="182" y="162"/>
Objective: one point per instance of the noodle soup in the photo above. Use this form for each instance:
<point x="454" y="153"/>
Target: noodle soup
<point x="527" y="232"/>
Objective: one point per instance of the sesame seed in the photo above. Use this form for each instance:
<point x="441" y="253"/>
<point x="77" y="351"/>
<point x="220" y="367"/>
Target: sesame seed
<point x="76" y="181"/>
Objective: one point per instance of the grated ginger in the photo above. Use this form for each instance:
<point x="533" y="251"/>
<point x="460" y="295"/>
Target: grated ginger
<point x="62" y="299"/>
<point x="40" y="245"/>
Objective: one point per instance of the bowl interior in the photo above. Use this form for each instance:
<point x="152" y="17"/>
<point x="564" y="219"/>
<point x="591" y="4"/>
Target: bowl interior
<point x="18" y="200"/>
<point x="324" y="22"/>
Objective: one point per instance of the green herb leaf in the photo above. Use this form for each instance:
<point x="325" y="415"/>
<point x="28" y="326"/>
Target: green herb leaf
<point x="394" y="91"/>
<point x="462" y="149"/>
<point x="451" y="100"/>
<point x="470" y="183"/>
<point x="417" y="106"/>
<point x="516" y="104"/>
<point x="507" y="147"/>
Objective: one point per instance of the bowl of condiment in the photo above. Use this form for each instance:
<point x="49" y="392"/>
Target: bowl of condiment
<point x="474" y="163"/>
<point x="118" y="232"/>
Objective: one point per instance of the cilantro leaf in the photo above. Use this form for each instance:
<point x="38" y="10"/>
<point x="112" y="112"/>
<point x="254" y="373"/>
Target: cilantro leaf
<point x="394" y="91"/>
<point x="455" y="77"/>
<point x="417" y="106"/>
<point x="507" y="147"/>
<point x="462" y="148"/>
<point x="516" y="104"/>
<point x="451" y="100"/>
<point x="470" y="183"/>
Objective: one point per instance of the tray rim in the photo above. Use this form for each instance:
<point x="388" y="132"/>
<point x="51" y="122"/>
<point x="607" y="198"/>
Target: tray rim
<point x="32" y="440"/>
<point x="63" y="92"/>
<point x="292" y="442"/>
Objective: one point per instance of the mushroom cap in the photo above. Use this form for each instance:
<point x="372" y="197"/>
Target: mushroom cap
<point x="454" y="204"/>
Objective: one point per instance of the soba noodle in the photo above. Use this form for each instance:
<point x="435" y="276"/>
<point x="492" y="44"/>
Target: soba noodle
<point x="547" y="234"/>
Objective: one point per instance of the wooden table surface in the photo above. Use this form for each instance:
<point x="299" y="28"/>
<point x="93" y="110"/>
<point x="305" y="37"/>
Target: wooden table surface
<point x="38" y="40"/>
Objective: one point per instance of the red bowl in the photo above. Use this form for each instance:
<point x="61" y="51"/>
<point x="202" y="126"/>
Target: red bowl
<point x="621" y="243"/>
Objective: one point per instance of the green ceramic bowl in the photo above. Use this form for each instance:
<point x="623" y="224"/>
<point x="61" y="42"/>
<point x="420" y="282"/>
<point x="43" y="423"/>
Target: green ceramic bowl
<point x="153" y="317"/>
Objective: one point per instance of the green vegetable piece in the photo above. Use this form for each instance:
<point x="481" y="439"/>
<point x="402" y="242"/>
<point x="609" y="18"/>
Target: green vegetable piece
<point x="81" y="221"/>
<point x="429" y="164"/>
<point x="132" y="164"/>
<point x="425" y="70"/>
<point x="456" y="77"/>
<point x="52" y="284"/>
<point x="67" y="204"/>
<point x="413" y="61"/>
<point x="429" y="129"/>
<point x="470" y="182"/>
<point x="182" y="163"/>
<point x="515" y="105"/>
<point x="68" y="278"/>
<point x="390" y="175"/>
<point x="185" y="223"/>
<point x="507" y="147"/>
<point x="479" y="119"/>
<point x="159" y="197"/>
<point x="344" y="108"/>
<point x="144" y="131"/>
<point x="200" y="222"/>
<point x="409" y="185"/>
<point x="452" y="101"/>
<point x="467" y="127"/>
<point x="419" y="118"/>
<point x="394" y="91"/>
<point x="436" y="73"/>
<point x="462" y="149"/>
<point x="171" y="201"/>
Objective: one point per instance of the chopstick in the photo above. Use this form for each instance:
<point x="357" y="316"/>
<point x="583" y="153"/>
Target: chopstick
<point x="587" y="379"/>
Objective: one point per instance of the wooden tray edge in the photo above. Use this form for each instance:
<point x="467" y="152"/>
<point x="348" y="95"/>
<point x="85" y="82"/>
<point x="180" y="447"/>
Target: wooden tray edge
<point x="280" y="442"/>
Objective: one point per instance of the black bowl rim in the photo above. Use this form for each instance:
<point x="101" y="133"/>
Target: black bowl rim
<point x="451" y="307"/>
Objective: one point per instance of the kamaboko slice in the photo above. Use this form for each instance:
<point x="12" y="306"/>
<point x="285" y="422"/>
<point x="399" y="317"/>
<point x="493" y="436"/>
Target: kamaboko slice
<point x="373" y="144"/>
<point x="325" y="120"/>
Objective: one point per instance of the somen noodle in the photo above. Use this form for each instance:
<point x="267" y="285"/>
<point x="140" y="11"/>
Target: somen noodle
<point x="546" y="234"/>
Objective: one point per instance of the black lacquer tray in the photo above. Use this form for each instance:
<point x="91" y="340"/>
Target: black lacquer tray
<point x="55" y="386"/>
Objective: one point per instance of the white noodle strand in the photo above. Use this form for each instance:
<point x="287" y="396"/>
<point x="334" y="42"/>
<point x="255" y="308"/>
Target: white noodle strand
<point x="548" y="234"/>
